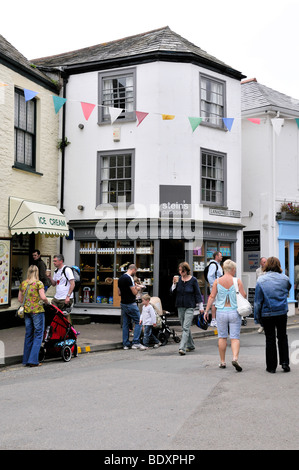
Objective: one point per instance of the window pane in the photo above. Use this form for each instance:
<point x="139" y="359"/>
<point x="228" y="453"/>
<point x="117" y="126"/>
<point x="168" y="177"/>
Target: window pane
<point x="117" y="178"/>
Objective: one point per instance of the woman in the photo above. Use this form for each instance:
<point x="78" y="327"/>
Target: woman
<point x="228" y="319"/>
<point x="187" y="296"/>
<point x="270" y="310"/>
<point x="34" y="315"/>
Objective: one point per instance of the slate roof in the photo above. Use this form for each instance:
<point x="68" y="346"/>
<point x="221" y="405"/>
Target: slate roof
<point x="259" y="98"/>
<point x="158" y="44"/>
<point x="12" y="58"/>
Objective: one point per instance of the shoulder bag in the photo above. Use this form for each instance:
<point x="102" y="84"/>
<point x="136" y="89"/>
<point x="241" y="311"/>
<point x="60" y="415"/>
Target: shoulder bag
<point x="244" y="308"/>
<point x="20" y="311"/>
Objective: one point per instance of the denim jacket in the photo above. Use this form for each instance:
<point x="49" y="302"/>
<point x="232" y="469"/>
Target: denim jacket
<point x="271" y="295"/>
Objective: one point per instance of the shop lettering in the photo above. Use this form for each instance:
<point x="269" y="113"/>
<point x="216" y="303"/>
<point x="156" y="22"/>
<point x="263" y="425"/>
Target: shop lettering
<point x="57" y="222"/>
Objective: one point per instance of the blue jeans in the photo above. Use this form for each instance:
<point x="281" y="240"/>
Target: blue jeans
<point x="186" y="318"/>
<point x="34" y="325"/>
<point x="149" y="336"/>
<point x="130" y="312"/>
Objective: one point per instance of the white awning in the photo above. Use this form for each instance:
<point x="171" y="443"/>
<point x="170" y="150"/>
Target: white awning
<point x="33" y="217"/>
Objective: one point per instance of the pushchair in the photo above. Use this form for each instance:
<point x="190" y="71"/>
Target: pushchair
<point x="162" y="331"/>
<point x="60" y="338"/>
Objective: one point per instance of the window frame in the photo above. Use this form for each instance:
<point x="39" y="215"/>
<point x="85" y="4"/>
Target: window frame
<point x="217" y="154"/>
<point x="114" y="153"/>
<point x="220" y="125"/>
<point x="17" y="128"/>
<point x="125" y="116"/>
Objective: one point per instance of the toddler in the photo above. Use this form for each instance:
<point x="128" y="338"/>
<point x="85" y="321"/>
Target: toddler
<point x="148" y="320"/>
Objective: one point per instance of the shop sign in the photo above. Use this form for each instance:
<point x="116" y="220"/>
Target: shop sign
<point x="175" y="201"/>
<point x="225" y="213"/>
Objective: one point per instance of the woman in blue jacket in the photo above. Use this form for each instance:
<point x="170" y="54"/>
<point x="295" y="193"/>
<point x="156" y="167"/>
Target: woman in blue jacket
<point x="187" y="296"/>
<point x="270" y="310"/>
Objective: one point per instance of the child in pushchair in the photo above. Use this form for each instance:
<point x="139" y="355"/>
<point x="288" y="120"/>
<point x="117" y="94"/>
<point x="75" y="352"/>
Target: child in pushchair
<point x="60" y="338"/>
<point x="162" y="330"/>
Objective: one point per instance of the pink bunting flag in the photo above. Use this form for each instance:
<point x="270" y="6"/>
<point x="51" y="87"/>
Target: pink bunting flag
<point x="87" y="109"/>
<point x="140" y="116"/>
<point x="254" y="120"/>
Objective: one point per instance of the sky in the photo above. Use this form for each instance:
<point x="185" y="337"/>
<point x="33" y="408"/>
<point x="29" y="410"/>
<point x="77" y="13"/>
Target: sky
<point x="256" y="37"/>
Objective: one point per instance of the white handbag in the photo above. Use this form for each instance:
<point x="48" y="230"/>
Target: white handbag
<point x="244" y="308"/>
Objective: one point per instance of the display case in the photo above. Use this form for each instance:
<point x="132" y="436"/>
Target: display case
<point x="145" y="263"/>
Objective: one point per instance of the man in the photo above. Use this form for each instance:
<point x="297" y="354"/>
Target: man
<point x="215" y="271"/>
<point x="37" y="261"/>
<point x="128" y="290"/>
<point x="64" y="281"/>
<point x="260" y="271"/>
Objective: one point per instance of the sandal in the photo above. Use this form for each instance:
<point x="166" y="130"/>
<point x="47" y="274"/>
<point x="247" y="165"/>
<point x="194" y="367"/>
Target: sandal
<point x="222" y="365"/>
<point x="237" y="366"/>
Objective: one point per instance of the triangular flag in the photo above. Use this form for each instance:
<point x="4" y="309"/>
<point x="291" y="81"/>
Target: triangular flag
<point x="87" y="109"/>
<point x="29" y="94"/>
<point x="3" y="84"/>
<point x="254" y="120"/>
<point x="277" y="124"/>
<point x="228" y="122"/>
<point x="140" y="116"/>
<point x="167" y="117"/>
<point x="194" y="122"/>
<point x="114" y="113"/>
<point x="297" y="120"/>
<point x="58" y="103"/>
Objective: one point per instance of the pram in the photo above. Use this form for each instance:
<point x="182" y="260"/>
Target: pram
<point x="60" y="338"/>
<point x="162" y="331"/>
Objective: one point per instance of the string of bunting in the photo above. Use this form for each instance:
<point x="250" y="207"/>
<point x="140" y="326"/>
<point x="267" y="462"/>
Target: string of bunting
<point x="87" y="109"/>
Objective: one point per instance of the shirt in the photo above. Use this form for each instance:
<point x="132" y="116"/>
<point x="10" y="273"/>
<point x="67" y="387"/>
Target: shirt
<point x="188" y="293"/>
<point x="33" y="302"/>
<point x="125" y="283"/>
<point x="212" y="275"/>
<point x="63" y="282"/>
<point x="148" y="315"/>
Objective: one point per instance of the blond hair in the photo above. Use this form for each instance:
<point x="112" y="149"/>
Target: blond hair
<point x="146" y="297"/>
<point x="229" y="266"/>
<point x="32" y="274"/>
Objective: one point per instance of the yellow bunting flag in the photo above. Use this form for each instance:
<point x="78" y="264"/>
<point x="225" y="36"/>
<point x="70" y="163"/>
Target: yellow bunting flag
<point x="167" y="117"/>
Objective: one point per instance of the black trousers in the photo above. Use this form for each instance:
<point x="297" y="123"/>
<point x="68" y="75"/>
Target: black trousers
<point x="276" y="326"/>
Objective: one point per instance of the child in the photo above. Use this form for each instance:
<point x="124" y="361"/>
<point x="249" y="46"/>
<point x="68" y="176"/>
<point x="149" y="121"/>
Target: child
<point x="148" y="319"/>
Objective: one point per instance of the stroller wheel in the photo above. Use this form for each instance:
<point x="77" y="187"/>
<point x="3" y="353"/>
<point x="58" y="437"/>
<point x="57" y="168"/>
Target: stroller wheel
<point x="66" y="353"/>
<point x="162" y="338"/>
<point x="176" y="339"/>
<point x="42" y="354"/>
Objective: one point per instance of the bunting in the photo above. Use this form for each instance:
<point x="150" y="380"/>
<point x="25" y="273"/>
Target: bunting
<point x="195" y="122"/>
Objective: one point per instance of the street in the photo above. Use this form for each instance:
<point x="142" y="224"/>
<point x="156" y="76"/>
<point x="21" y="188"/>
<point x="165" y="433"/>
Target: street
<point x="154" y="399"/>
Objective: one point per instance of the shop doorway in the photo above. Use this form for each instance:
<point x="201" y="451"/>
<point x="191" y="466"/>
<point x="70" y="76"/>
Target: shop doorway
<point x="172" y="252"/>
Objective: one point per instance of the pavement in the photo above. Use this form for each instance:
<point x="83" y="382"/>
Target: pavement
<point x="95" y="337"/>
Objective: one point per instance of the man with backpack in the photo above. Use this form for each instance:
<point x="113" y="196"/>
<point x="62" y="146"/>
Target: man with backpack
<point x="214" y="272"/>
<point x="64" y="281"/>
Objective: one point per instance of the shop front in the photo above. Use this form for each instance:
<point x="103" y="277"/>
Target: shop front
<point x="32" y="226"/>
<point x="288" y="240"/>
<point x="156" y="255"/>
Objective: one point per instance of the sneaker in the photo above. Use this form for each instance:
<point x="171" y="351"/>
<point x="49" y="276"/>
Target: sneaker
<point x="260" y="330"/>
<point x="181" y="352"/>
<point x="126" y="347"/>
<point x="139" y="346"/>
<point x="213" y="323"/>
<point x="157" y="345"/>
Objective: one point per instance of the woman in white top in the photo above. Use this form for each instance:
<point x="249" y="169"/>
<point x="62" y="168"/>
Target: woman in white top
<point x="228" y="319"/>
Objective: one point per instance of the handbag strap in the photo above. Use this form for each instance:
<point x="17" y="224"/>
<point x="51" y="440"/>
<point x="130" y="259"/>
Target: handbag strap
<point x="235" y="280"/>
<point x="24" y="300"/>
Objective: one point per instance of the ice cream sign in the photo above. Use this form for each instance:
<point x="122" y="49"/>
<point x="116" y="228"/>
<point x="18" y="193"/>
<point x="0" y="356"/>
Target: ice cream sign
<point x="53" y="221"/>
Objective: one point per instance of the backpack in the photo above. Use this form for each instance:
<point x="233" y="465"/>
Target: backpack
<point x="76" y="274"/>
<point x="206" y="270"/>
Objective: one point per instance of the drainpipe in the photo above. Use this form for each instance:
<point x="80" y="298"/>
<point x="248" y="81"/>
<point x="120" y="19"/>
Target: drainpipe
<point x="62" y="209"/>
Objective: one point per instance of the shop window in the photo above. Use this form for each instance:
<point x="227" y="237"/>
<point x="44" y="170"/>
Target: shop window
<point x="117" y="90"/>
<point x="213" y="178"/>
<point x="212" y="101"/>
<point x="25" y="131"/>
<point x="115" y="177"/>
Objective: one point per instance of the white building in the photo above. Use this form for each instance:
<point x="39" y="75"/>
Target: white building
<point x="270" y="178"/>
<point x="149" y="167"/>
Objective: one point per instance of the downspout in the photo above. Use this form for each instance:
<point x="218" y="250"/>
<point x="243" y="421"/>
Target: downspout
<point x="62" y="209"/>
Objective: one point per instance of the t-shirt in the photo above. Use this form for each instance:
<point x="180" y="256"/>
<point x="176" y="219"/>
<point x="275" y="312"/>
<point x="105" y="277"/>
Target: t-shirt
<point x="33" y="302"/>
<point x="125" y="283"/>
<point x="62" y="282"/>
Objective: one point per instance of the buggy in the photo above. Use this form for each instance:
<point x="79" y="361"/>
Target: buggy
<point x="60" y="338"/>
<point x="162" y="331"/>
